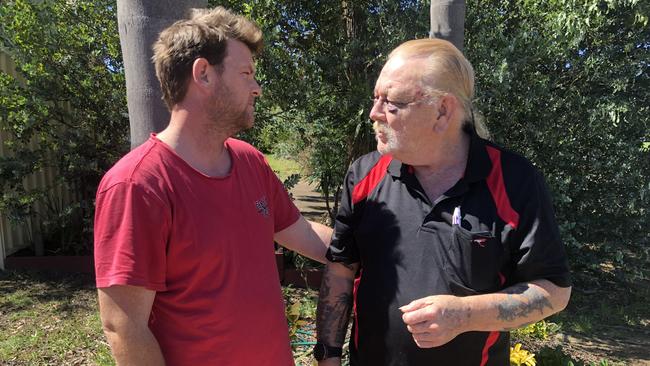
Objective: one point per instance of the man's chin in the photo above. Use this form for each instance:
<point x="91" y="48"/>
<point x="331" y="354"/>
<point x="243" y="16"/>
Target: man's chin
<point x="383" y="148"/>
<point x="248" y="124"/>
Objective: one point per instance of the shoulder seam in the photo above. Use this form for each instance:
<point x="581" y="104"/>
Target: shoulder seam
<point x="372" y="178"/>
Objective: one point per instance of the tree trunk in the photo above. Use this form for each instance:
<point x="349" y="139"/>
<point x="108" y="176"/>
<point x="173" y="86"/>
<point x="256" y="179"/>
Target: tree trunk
<point x="448" y="21"/>
<point x="140" y="22"/>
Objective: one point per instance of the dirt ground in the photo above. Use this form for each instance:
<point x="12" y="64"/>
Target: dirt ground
<point x="310" y="203"/>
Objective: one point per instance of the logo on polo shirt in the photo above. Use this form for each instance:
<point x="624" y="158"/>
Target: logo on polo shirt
<point x="480" y="242"/>
<point x="262" y="207"/>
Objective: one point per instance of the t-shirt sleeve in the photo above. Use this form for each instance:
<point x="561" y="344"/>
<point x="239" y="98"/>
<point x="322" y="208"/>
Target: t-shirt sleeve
<point x="540" y="253"/>
<point x="131" y="231"/>
<point x="343" y="247"/>
<point x="285" y="212"/>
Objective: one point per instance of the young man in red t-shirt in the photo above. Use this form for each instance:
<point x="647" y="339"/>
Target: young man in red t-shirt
<point x="185" y="223"/>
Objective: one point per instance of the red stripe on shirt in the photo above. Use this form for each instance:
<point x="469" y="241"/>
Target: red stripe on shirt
<point x="502" y="278"/>
<point x="489" y="342"/>
<point x="369" y="182"/>
<point x="498" y="189"/>
<point x="354" y="309"/>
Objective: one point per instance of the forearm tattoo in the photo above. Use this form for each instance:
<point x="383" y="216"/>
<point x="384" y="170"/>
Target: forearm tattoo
<point x="522" y="300"/>
<point x="334" y="304"/>
<point x="457" y="317"/>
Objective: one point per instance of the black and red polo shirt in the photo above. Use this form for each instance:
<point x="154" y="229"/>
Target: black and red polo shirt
<point x="408" y="248"/>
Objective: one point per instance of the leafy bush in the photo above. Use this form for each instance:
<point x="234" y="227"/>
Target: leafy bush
<point x="566" y="84"/>
<point x="540" y="330"/>
<point x="66" y="111"/>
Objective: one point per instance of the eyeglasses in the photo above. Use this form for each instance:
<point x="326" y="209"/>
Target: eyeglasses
<point x="390" y="105"/>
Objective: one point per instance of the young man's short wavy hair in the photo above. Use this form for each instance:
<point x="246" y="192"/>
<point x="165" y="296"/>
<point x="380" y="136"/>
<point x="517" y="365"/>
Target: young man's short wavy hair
<point x="203" y="35"/>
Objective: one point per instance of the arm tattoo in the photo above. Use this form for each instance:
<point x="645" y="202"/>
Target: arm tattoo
<point x="334" y="304"/>
<point x="457" y="317"/>
<point x="521" y="301"/>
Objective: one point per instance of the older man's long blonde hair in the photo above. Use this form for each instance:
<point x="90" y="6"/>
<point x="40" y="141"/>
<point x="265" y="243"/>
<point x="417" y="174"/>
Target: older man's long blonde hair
<point x="447" y="71"/>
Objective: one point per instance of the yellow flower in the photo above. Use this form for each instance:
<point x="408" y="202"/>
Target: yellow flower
<point x="521" y="357"/>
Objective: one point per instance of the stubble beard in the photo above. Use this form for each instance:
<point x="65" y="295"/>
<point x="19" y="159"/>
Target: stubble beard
<point x="228" y="120"/>
<point x="390" y="143"/>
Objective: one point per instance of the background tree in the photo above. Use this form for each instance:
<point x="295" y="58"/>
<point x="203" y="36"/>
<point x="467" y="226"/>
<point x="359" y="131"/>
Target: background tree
<point x="140" y="22"/>
<point x="566" y="84"/>
<point x="448" y="21"/>
<point x="318" y="73"/>
<point x="69" y="103"/>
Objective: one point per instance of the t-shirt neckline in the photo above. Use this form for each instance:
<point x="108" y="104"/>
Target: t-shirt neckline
<point x="168" y="148"/>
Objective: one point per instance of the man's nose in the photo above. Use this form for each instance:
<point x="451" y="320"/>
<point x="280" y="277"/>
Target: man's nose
<point x="257" y="89"/>
<point x="376" y="112"/>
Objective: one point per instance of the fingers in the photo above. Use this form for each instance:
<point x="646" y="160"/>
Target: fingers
<point x="433" y="338"/>
<point x="415" y="305"/>
<point x="423" y="328"/>
<point x="428" y="339"/>
<point x="424" y="314"/>
<point x="425" y="343"/>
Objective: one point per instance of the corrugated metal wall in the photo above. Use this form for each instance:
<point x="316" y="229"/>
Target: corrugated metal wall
<point x="14" y="237"/>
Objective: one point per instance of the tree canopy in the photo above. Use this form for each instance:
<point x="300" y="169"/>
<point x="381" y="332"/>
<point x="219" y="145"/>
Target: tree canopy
<point x="564" y="82"/>
<point x="69" y="102"/>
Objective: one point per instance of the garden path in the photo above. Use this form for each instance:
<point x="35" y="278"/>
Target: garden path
<point x="310" y="202"/>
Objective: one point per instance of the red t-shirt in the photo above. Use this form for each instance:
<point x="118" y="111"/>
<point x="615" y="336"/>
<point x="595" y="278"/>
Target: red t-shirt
<point x="205" y="245"/>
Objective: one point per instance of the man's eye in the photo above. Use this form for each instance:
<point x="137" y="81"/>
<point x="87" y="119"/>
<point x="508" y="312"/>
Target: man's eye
<point x="394" y="105"/>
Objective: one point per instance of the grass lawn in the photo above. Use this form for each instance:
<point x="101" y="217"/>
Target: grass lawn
<point x="49" y="319"/>
<point x="53" y="320"/>
<point x="283" y="167"/>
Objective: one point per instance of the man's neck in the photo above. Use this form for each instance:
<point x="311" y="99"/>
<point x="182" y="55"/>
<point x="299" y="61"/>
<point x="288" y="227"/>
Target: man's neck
<point x="199" y="142"/>
<point x="445" y="166"/>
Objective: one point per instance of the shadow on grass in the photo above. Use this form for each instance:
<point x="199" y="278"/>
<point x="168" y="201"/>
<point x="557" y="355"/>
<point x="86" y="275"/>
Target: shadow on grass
<point x="20" y="290"/>
<point x="608" y="317"/>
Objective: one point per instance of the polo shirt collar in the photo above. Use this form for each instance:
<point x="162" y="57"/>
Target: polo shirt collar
<point x="478" y="160"/>
<point x="396" y="168"/>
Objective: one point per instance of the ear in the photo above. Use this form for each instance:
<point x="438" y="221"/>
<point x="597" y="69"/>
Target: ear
<point x="202" y="73"/>
<point x="446" y="112"/>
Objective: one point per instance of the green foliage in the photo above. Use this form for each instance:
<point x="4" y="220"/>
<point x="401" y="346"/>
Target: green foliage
<point x="300" y="310"/>
<point x="65" y="112"/>
<point x="318" y="72"/>
<point x="566" y="83"/>
<point x="563" y="82"/>
<point x="540" y="330"/>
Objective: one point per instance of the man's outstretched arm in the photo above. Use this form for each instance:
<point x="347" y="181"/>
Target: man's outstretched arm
<point x="308" y="238"/>
<point x="334" y="306"/>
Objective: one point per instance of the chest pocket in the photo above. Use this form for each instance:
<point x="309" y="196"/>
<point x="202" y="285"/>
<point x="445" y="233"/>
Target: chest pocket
<point x="476" y="258"/>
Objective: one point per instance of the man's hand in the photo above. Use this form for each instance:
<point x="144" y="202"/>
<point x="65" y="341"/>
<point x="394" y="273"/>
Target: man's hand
<point x="435" y="320"/>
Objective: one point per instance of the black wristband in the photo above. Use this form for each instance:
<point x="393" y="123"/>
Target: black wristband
<point x="323" y="351"/>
